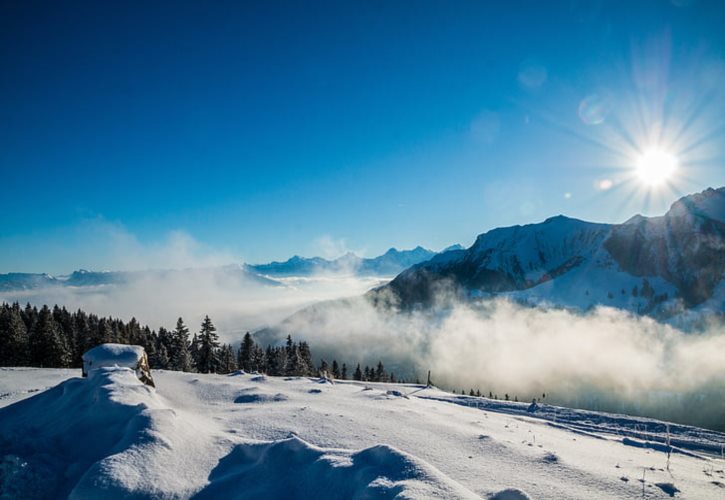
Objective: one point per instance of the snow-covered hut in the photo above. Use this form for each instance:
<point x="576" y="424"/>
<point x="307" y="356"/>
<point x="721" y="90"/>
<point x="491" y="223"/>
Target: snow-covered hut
<point x="118" y="355"/>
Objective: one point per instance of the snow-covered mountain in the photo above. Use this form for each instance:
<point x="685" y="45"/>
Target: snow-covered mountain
<point x="82" y="278"/>
<point x="390" y="263"/>
<point x="245" y="436"/>
<point x="26" y="281"/>
<point x="660" y="265"/>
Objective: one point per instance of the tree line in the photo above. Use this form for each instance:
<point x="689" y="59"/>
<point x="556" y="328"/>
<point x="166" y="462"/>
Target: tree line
<point x="56" y="338"/>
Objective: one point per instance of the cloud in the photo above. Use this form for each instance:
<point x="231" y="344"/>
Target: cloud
<point x="119" y="249"/>
<point x="332" y="248"/>
<point x="605" y="359"/>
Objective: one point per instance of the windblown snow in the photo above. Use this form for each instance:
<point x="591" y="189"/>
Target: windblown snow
<point x="252" y="436"/>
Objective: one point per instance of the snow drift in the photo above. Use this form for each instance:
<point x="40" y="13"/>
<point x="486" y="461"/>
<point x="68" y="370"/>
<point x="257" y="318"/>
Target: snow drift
<point x="112" y="436"/>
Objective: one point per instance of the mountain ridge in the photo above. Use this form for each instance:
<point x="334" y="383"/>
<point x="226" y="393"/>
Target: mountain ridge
<point x="660" y="265"/>
<point x="391" y="263"/>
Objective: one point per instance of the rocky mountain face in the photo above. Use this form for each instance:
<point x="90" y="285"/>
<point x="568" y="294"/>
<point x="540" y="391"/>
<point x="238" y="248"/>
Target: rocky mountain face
<point x="658" y="265"/>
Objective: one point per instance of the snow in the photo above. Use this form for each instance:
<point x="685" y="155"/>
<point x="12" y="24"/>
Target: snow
<point x="109" y="355"/>
<point x="248" y="436"/>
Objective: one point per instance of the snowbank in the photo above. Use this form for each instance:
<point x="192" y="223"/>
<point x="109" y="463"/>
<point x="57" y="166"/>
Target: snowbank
<point x="111" y="436"/>
<point x="214" y="436"/>
<point x="108" y="432"/>
<point x="293" y="468"/>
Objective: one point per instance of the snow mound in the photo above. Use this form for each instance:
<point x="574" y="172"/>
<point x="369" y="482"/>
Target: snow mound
<point x="510" y="494"/>
<point x="293" y="468"/>
<point x="87" y="436"/>
<point x="113" y="355"/>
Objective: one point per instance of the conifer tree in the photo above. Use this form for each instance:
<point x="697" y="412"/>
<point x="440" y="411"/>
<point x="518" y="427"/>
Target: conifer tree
<point x="343" y="372"/>
<point x="335" y="369"/>
<point x="227" y="360"/>
<point x="246" y="353"/>
<point x="324" y="368"/>
<point x="164" y="346"/>
<point x="208" y="347"/>
<point x="259" y="360"/>
<point x="47" y="346"/>
<point x="380" y="375"/>
<point x="181" y="355"/>
<point x="13" y="337"/>
<point x="294" y="365"/>
<point x="357" y="375"/>
<point x="306" y="355"/>
<point x="194" y="352"/>
<point x="161" y="360"/>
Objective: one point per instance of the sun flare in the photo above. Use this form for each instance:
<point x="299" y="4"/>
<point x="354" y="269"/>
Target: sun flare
<point x="655" y="167"/>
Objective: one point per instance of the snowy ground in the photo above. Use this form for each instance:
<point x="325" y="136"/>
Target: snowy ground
<point x="248" y="436"/>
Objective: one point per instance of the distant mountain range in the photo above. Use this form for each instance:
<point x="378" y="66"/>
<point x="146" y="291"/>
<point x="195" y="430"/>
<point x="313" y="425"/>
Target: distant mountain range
<point x="670" y="266"/>
<point x="390" y="263"/>
<point x="13" y="282"/>
<point x="662" y="266"/>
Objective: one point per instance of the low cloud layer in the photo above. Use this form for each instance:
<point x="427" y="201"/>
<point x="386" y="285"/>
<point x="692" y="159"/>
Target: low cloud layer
<point x="604" y="359"/>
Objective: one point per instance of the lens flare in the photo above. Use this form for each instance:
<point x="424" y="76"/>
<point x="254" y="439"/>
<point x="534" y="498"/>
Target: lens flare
<point x="655" y="167"/>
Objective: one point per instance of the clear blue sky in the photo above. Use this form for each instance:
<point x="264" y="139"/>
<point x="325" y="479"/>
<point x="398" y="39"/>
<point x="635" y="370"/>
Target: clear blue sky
<point x="265" y="129"/>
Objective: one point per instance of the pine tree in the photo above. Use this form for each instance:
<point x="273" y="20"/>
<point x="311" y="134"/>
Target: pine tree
<point x="306" y="355"/>
<point x="227" y="360"/>
<point x="164" y="345"/>
<point x="380" y="375"/>
<point x="335" y="369"/>
<point x="161" y="360"/>
<point x="181" y="355"/>
<point x="13" y="337"/>
<point x="82" y="332"/>
<point x="357" y="375"/>
<point x="294" y="365"/>
<point x="343" y="373"/>
<point x="324" y="368"/>
<point x="246" y="353"/>
<point x="208" y="347"/>
<point x="47" y="346"/>
<point x="194" y="352"/>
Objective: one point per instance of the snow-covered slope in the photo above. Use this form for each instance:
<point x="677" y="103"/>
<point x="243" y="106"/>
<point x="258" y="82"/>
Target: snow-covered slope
<point x="252" y="436"/>
<point x="661" y="265"/>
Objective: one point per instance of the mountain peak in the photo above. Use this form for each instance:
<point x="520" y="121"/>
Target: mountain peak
<point x="709" y="203"/>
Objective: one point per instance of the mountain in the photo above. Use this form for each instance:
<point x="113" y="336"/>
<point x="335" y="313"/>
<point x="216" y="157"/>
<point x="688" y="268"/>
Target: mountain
<point x="659" y="265"/>
<point x="12" y="282"/>
<point x="390" y="263"/>
<point x="26" y="281"/>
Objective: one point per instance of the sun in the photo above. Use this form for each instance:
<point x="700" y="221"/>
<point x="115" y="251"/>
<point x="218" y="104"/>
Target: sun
<point x="655" y="167"/>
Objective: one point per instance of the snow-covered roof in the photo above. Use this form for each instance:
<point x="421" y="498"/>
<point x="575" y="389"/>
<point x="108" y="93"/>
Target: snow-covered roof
<point x="113" y="355"/>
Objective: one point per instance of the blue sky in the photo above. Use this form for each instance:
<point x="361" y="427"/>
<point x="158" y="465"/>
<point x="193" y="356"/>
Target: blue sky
<point x="258" y="130"/>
